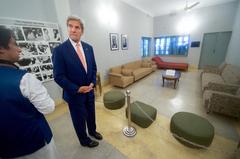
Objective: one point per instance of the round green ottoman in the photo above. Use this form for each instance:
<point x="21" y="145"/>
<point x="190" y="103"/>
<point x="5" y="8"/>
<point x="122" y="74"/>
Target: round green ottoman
<point x="193" y="128"/>
<point x="114" y="99"/>
<point x="142" y="114"/>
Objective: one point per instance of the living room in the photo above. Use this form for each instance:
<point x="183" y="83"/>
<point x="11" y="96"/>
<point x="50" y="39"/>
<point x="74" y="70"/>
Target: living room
<point x="102" y="17"/>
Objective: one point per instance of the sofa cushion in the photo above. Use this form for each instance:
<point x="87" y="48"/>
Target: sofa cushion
<point x="133" y="65"/>
<point x="117" y="69"/>
<point x="141" y="72"/>
<point x="146" y="64"/>
<point x="231" y="74"/>
<point x="127" y="72"/>
<point x="210" y="77"/>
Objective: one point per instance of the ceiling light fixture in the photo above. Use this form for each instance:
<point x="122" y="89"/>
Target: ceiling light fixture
<point x="189" y="7"/>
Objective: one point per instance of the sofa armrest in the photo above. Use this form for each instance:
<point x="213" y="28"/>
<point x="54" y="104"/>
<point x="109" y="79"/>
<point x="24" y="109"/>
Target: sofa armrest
<point x="115" y="79"/>
<point x="222" y="102"/>
<point x="127" y="72"/>
<point x="222" y="87"/>
<point x="154" y="67"/>
<point x="211" y="69"/>
<point x="216" y="95"/>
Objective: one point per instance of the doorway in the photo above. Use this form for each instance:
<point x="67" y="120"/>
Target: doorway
<point x="214" y="48"/>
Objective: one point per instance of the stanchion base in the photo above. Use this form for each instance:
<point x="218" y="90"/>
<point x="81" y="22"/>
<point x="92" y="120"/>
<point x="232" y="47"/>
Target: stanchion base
<point x="129" y="131"/>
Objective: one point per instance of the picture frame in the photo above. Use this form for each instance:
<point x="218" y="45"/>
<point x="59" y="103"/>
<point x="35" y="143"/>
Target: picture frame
<point x="114" y="41"/>
<point x="124" y="41"/>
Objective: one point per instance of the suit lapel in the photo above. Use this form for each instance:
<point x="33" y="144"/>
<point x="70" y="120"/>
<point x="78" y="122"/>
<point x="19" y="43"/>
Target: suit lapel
<point x="74" y="55"/>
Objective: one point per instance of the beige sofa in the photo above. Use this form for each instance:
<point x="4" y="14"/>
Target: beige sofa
<point x="221" y="89"/>
<point x="124" y="75"/>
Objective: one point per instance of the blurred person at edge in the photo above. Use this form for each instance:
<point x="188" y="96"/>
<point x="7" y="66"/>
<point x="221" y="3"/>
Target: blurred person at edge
<point x="24" y="131"/>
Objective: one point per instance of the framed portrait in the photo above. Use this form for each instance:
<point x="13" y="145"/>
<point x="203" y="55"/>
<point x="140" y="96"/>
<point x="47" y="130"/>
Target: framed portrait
<point x="114" y="42"/>
<point x="124" y="41"/>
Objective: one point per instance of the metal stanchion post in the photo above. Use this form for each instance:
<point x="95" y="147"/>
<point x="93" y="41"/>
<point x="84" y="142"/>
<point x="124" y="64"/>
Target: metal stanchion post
<point x="129" y="131"/>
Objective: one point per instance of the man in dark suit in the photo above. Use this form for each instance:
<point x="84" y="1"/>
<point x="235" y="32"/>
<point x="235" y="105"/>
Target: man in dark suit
<point x="75" y="71"/>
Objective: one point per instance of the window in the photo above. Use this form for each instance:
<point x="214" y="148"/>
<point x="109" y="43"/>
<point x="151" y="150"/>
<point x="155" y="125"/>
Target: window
<point x="172" y="45"/>
<point x="145" y="46"/>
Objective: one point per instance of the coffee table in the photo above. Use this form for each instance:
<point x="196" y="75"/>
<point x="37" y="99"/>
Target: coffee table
<point x="174" y="77"/>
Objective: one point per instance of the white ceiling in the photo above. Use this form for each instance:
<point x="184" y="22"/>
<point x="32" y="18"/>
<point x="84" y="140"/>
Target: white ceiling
<point x="163" y="7"/>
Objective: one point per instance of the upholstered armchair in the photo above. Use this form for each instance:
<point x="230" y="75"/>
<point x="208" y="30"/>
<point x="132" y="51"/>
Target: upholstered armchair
<point x="222" y="98"/>
<point x="213" y="69"/>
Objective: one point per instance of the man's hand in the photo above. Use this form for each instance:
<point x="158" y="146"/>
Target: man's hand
<point x="86" y="89"/>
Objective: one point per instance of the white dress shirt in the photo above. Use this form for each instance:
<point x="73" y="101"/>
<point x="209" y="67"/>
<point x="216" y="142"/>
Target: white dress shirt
<point x="37" y="94"/>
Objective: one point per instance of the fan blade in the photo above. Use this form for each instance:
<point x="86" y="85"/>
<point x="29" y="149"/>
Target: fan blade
<point x="193" y="5"/>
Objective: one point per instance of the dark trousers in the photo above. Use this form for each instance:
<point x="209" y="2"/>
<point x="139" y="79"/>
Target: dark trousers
<point x="83" y="114"/>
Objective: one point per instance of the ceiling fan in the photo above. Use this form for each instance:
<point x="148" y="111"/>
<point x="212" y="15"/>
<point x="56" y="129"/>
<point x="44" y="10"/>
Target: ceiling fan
<point x="189" y="7"/>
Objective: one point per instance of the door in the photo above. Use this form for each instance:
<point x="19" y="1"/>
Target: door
<point x="214" y="48"/>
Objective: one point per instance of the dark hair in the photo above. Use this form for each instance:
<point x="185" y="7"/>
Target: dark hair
<point x="5" y="36"/>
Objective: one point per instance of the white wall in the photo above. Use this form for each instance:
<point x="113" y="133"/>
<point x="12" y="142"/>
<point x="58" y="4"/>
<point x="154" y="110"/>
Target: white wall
<point x="123" y="20"/>
<point x="63" y="11"/>
<point x="210" y="19"/>
<point x="233" y="55"/>
<point x="40" y="10"/>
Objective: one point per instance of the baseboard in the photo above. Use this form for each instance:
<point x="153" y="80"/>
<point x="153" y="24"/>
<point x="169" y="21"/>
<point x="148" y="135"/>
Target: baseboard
<point x="193" y="67"/>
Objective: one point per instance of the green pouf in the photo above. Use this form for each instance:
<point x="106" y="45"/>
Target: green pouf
<point x="114" y="99"/>
<point x="140" y="118"/>
<point x="193" y="128"/>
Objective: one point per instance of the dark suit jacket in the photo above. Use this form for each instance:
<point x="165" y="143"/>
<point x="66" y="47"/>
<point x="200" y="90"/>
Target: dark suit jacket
<point x="69" y="72"/>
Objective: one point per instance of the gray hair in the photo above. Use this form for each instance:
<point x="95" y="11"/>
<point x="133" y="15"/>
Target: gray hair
<point x="76" y="18"/>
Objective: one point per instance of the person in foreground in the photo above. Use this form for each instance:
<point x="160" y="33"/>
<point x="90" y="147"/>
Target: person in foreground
<point x="74" y="69"/>
<point x="24" y="131"/>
